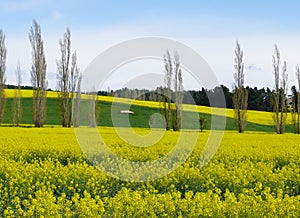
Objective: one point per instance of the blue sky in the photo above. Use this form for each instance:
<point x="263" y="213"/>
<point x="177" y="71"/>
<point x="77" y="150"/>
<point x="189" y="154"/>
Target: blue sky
<point x="209" y="27"/>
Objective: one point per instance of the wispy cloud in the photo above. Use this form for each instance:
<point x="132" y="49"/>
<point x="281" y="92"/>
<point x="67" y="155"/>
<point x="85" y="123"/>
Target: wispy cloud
<point x="253" y="67"/>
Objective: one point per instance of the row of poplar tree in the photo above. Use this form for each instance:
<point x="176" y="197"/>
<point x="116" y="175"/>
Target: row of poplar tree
<point x="172" y="112"/>
<point x="69" y="79"/>
<point x="279" y="94"/>
<point x="172" y="94"/>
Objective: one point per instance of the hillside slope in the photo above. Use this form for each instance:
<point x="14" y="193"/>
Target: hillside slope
<point x="257" y="120"/>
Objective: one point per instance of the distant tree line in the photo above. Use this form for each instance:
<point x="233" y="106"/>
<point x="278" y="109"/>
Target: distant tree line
<point x="258" y="99"/>
<point x="23" y="87"/>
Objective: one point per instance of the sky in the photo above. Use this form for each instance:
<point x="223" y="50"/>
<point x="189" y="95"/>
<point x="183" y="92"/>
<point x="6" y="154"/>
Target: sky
<point x="211" y="28"/>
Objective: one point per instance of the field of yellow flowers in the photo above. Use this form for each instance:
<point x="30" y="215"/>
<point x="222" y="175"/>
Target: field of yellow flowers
<point x="43" y="173"/>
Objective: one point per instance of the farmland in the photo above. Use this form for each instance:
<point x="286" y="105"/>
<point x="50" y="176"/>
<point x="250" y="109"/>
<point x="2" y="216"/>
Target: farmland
<point x="149" y="109"/>
<point x="257" y="120"/>
<point x="44" y="172"/>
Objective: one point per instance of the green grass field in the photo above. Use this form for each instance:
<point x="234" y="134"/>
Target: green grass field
<point x="257" y="120"/>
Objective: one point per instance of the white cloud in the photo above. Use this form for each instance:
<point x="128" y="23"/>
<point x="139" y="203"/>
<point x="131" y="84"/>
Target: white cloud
<point x="56" y="15"/>
<point x="253" y="67"/>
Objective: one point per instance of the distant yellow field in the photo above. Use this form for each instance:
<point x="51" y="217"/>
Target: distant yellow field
<point x="11" y="93"/>
<point x="260" y="117"/>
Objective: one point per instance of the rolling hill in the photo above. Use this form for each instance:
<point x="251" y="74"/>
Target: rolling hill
<point x="257" y="120"/>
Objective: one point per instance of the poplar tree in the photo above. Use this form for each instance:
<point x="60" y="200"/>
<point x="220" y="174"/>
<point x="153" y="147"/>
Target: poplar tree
<point x="68" y="76"/>
<point x="167" y="95"/>
<point x="279" y="93"/>
<point x="178" y="89"/>
<point x="17" y="104"/>
<point x="240" y="93"/>
<point x="38" y="75"/>
<point x="3" y="52"/>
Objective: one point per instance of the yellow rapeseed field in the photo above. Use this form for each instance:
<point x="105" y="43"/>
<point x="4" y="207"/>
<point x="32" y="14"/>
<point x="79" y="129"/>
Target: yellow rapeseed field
<point x="43" y="173"/>
<point x="10" y="93"/>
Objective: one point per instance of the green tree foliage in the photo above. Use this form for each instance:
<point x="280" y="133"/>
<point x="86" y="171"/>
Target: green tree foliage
<point x="202" y="122"/>
<point x="259" y="99"/>
<point x="295" y="110"/>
